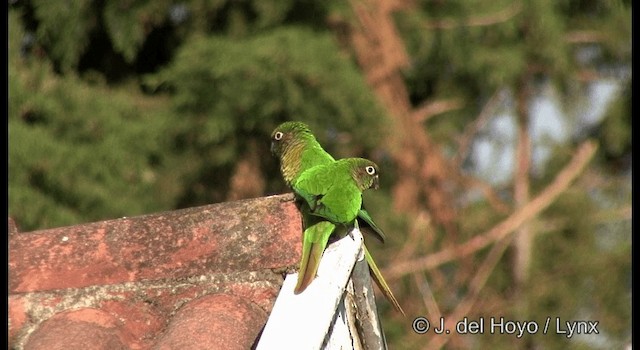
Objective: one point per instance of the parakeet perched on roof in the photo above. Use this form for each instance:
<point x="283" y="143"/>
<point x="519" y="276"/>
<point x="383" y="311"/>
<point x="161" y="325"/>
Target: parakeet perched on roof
<point x="298" y="150"/>
<point x="334" y="192"/>
<point x="330" y="194"/>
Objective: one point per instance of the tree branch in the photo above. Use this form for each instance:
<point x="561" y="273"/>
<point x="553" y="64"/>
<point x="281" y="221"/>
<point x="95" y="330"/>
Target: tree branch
<point x="430" y="109"/>
<point x="584" y="37"/>
<point x="464" y="141"/>
<point x="521" y="192"/>
<point x="427" y="296"/>
<point x="475" y="286"/>
<point x="581" y="158"/>
<point x="489" y="192"/>
<point x="498" y="17"/>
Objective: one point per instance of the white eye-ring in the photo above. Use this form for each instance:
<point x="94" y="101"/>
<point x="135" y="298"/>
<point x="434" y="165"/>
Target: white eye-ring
<point x="370" y="170"/>
<point x="278" y="136"/>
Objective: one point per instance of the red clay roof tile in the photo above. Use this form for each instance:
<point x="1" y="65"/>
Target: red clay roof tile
<point x="202" y="277"/>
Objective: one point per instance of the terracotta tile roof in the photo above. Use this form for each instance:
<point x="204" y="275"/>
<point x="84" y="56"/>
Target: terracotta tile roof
<point x="197" y="278"/>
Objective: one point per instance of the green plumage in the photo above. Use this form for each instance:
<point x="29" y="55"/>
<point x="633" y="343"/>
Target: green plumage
<point x="314" y="241"/>
<point x="330" y="195"/>
<point x="297" y="149"/>
<point x="334" y="191"/>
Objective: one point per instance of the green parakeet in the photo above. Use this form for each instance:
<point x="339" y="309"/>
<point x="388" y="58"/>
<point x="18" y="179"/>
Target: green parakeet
<point x="334" y="192"/>
<point x="340" y="205"/>
<point x="298" y="150"/>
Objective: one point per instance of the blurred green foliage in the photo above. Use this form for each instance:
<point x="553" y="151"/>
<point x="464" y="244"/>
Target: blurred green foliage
<point x="86" y="145"/>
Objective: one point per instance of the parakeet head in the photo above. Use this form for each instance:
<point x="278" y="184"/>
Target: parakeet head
<point x="288" y="141"/>
<point x="365" y="173"/>
<point x="287" y="135"/>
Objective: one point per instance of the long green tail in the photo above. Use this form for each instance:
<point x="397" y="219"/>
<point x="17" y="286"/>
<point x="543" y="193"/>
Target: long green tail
<point x="382" y="284"/>
<point x="314" y="242"/>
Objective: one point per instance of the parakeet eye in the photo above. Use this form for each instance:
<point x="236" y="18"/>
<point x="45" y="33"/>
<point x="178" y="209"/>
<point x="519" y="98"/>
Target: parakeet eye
<point x="278" y="136"/>
<point x="370" y="170"/>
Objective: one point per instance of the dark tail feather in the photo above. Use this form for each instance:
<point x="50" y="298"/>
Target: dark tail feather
<point x="370" y="227"/>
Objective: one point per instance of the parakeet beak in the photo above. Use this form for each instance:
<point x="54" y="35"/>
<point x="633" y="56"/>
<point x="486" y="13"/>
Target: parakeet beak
<point x="273" y="148"/>
<point x="376" y="182"/>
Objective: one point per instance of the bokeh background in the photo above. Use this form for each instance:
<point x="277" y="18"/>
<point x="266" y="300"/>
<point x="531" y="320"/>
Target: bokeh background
<point x="502" y="129"/>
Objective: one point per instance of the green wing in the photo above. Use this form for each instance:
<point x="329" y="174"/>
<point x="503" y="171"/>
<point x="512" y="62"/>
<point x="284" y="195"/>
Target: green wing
<point x="314" y="242"/>
<point x="340" y="204"/>
<point x="368" y="226"/>
<point x="330" y="192"/>
<point x="311" y="186"/>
